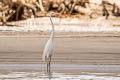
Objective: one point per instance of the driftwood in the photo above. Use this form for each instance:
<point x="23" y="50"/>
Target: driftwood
<point x="15" y="9"/>
<point x="58" y="5"/>
<point x="115" y="8"/>
<point x="40" y="5"/>
<point x="5" y="14"/>
<point x="82" y="10"/>
<point x="78" y="2"/>
<point x="12" y="10"/>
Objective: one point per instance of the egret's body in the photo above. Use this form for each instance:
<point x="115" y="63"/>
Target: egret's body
<point x="49" y="47"/>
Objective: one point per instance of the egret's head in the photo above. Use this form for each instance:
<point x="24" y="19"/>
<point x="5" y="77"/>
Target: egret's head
<point x="52" y="13"/>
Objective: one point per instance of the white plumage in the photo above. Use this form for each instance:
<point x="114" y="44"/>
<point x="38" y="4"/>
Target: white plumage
<point x="49" y="47"/>
<point x="48" y="50"/>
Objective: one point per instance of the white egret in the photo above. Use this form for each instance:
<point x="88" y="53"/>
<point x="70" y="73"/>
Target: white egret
<point x="49" y="47"/>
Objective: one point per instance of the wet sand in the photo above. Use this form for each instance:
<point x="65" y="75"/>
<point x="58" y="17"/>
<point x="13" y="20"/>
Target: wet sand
<point x="81" y="50"/>
<point x="83" y="55"/>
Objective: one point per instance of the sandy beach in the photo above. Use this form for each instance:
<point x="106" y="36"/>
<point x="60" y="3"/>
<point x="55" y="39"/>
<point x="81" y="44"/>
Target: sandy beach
<point x="84" y="50"/>
<point x="95" y="56"/>
<point x="81" y="50"/>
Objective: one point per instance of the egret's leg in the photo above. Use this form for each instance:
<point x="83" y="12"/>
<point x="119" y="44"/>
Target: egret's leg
<point x="47" y="66"/>
<point x="49" y="63"/>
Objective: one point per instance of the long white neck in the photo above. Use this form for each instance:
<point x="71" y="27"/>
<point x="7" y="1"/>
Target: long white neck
<point x="52" y="32"/>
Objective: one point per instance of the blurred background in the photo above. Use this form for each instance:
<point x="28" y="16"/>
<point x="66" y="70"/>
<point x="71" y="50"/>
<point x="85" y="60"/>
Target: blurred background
<point x="15" y="10"/>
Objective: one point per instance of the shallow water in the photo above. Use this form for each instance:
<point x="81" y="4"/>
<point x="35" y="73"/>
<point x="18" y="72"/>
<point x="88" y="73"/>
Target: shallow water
<point x="56" y="76"/>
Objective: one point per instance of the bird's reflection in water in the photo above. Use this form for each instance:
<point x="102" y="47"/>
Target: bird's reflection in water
<point x="48" y="75"/>
<point x="57" y="76"/>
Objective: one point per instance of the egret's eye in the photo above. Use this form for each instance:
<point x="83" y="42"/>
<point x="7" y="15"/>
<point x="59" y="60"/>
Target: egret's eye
<point x="52" y="13"/>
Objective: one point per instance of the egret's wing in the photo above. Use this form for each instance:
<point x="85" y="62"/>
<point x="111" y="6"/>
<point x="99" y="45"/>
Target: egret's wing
<point x="45" y="52"/>
<point x="48" y="49"/>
